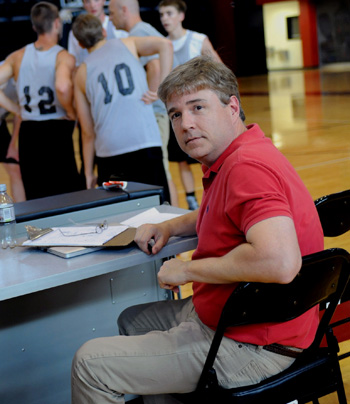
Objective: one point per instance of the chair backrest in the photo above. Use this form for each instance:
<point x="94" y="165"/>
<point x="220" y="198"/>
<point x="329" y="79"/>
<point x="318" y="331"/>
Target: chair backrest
<point x="322" y="279"/>
<point x="334" y="213"/>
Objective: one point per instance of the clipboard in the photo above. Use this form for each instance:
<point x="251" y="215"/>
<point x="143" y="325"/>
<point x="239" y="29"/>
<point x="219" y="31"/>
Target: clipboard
<point x="123" y="239"/>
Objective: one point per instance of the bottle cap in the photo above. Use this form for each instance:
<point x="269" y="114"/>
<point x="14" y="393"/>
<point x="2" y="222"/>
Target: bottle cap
<point x="3" y="188"/>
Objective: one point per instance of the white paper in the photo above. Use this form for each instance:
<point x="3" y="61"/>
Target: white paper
<point x="149" y="216"/>
<point x="84" y="236"/>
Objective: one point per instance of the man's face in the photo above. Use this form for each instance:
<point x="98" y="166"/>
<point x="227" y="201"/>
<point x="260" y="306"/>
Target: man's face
<point x="94" y="7"/>
<point x="203" y="126"/>
<point x="170" y="18"/>
<point x="115" y="14"/>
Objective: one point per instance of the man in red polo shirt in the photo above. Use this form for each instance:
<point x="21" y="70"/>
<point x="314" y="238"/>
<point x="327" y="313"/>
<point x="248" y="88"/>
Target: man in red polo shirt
<point x="255" y="222"/>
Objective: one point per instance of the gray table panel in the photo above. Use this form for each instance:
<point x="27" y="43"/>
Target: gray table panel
<point x="50" y="305"/>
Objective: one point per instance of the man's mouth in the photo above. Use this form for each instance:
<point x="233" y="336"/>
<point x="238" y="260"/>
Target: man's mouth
<point x="191" y="140"/>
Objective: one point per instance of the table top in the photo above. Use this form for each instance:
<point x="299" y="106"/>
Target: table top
<point x="81" y="200"/>
<point x="25" y="270"/>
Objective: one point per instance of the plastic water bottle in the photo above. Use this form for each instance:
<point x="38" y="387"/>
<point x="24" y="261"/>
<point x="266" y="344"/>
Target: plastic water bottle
<point x="7" y="219"/>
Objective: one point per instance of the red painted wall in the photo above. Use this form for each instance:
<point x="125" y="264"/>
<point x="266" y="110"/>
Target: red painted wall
<point x="308" y="32"/>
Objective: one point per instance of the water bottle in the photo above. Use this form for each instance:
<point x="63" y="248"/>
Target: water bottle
<point x="7" y="219"/>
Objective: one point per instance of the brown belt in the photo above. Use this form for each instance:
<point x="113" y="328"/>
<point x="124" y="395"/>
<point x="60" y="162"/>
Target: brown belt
<point x="283" y="350"/>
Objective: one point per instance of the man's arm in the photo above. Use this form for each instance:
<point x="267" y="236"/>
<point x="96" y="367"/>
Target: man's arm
<point x="271" y="254"/>
<point x="184" y="225"/>
<point x="65" y="65"/>
<point x="12" y="151"/>
<point x="87" y="125"/>
<point x="156" y="69"/>
<point x="153" y="80"/>
<point x="8" y="104"/>
<point x="6" y="73"/>
<point x="150" y="45"/>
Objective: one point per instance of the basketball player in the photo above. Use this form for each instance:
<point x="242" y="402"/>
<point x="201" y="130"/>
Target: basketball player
<point x="43" y="73"/>
<point x="116" y="123"/>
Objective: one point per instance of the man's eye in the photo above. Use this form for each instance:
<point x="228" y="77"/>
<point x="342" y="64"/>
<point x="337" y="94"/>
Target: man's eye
<point x="198" y="107"/>
<point x="174" y="116"/>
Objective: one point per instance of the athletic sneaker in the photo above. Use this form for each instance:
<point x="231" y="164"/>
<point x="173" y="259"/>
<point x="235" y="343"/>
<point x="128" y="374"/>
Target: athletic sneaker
<point x="192" y="202"/>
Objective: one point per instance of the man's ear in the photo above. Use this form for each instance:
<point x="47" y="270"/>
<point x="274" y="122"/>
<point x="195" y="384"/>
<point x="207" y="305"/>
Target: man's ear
<point x="56" y="26"/>
<point x="234" y="105"/>
<point x="182" y="16"/>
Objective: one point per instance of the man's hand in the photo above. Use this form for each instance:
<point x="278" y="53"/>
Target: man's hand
<point x="91" y="181"/>
<point x="149" y="97"/>
<point x="172" y="274"/>
<point x="148" y="234"/>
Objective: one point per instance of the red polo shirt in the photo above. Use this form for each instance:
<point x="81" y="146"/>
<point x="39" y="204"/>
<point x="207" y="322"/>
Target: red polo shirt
<point x="252" y="181"/>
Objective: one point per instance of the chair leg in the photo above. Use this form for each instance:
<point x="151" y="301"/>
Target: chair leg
<point x="341" y="395"/>
<point x="340" y="390"/>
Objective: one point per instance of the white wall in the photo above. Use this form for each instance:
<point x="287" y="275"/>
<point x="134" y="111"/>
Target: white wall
<point x="281" y="52"/>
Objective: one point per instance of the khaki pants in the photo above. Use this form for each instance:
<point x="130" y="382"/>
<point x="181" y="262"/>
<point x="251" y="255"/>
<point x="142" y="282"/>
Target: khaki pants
<point x="162" y="351"/>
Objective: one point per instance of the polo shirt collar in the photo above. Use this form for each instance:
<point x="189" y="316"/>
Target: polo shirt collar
<point x="211" y="171"/>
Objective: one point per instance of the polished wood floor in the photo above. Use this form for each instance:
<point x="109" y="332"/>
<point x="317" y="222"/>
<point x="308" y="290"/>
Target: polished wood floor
<point x="306" y="113"/>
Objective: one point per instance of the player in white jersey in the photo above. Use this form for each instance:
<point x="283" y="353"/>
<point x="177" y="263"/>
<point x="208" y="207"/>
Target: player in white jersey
<point x="187" y="45"/>
<point x="116" y="121"/>
<point x="96" y="8"/>
<point x="125" y="15"/>
<point x="43" y="73"/>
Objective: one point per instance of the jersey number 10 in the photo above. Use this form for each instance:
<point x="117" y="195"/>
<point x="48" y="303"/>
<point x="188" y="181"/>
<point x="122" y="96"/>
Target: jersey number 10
<point x="124" y="90"/>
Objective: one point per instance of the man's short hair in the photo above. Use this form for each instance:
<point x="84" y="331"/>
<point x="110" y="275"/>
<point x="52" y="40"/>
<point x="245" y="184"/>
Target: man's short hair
<point x="88" y="30"/>
<point x="201" y="73"/>
<point x="180" y="5"/>
<point x="43" y="15"/>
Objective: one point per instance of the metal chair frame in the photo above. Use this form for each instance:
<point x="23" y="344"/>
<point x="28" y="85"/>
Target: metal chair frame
<point x="316" y="372"/>
<point x="334" y="213"/>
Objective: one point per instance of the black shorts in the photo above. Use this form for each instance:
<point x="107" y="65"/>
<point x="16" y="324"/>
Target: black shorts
<point x="144" y="165"/>
<point x="47" y="159"/>
<point x="175" y="153"/>
<point x="5" y="139"/>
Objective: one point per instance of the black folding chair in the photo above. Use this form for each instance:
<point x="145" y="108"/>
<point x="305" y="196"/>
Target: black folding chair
<point x="316" y="371"/>
<point x="334" y="213"/>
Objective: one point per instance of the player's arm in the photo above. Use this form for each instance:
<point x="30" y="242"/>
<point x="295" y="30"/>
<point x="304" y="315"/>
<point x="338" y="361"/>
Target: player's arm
<point x="153" y="80"/>
<point x="8" y="104"/>
<point x="65" y="65"/>
<point x="87" y="125"/>
<point x="6" y="73"/>
<point x="12" y="151"/>
<point x="208" y="49"/>
<point x="151" y="45"/>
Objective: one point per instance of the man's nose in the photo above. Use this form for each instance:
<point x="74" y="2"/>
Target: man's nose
<point x="186" y="121"/>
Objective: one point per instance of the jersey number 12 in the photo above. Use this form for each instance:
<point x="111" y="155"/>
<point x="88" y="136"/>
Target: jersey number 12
<point x="45" y="104"/>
